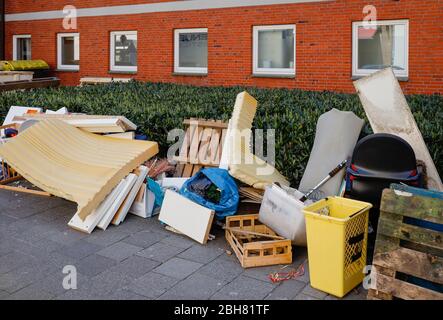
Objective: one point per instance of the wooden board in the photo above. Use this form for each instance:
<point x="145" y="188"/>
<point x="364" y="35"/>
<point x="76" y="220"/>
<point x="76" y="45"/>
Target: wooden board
<point x="388" y="112"/>
<point x="407" y="249"/>
<point x="141" y="174"/>
<point x="129" y="182"/>
<point x="124" y="135"/>
<point x="88" y="225"/>
<point x="186" y="216"/>
<point x="30" y="84"/>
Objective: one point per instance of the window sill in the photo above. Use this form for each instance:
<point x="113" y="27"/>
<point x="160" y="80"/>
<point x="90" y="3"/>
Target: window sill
<point x="190" y="74"/>
<point x="399" y="78"/>
<point x="263" y="75"/>
<point x="66" y="70"/>
<point x="121" y="72"/>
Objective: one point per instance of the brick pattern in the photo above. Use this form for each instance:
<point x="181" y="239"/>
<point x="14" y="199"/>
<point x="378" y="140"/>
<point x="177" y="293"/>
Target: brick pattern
<point x="118" y="264"/>
<point x="324" y="42"/>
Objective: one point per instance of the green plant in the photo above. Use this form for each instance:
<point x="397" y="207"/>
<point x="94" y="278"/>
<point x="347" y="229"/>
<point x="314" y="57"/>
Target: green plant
<point x="157" y="108"/>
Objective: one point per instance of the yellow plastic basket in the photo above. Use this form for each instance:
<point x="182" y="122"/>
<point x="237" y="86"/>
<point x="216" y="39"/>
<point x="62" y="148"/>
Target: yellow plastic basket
<point x="337" y="233"/>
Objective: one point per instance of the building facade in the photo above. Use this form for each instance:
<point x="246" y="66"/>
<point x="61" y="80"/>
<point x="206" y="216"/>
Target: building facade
<point x="305" y="44"/>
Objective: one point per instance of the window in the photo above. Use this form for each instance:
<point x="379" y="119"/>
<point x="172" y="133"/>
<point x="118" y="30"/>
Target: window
<point x="21" y="47"/>
<point x="274" y="50"/>
<point x="68" y="51"/>
<point x="124" y="51"/>
<point x="191" y="51"/>
<point x="378" y="46"/>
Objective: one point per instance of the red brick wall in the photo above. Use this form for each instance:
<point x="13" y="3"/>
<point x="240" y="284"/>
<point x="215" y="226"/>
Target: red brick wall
<point x="324" y="42"/>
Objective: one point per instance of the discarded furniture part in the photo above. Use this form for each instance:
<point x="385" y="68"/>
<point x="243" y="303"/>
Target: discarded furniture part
<point x="24" y="65"/>
<point x="243" y="164"/>
<point x="63" y="110"/>
<point x="91" y="123"/>
<point x="215" y="189"/>
<point x="408" y="258"/>
<point x="377" y="161"/>
<point x="388" y="112"/>
<point x="121" y="213"/>
<point x="337" y="233"/>
<point x="73" y="164"/>
<point x="88" y="225"/>
<point x="252" y="249"/>
<point x="7" y="174"/>
<point x="30" y="84"/>
<point x="8" y="76"/>
<point x="128" y="183"/>
<point x="143" y="204"/>
<point x="101" y="80"/>
<point x="255" y="195"/>
<point x="417" y="191"/>
<point x="189" y="218"/>
<point x="17" y="111"/>
<point x="25" y="190"/>
<point x="202" y="146"/>
<point x="335" y="138"/>
<point x="130" y="135"/>
<point x="282" y="211"/>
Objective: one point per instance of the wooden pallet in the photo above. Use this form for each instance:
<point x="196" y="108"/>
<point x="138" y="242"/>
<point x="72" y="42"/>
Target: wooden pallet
<point x="408" y="258"/>
<point x="255" y="244"/>
<point x="202" y="146"/>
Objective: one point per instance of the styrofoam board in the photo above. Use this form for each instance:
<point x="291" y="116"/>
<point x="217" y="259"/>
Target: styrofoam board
<point x="94" y="218"/>
<point x="123" y="211"/>
<point x="128" y="184"/>
<point x="186" y="216"/>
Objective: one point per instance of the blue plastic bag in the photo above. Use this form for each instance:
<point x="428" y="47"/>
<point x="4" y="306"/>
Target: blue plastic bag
<point x="225" y="183"/>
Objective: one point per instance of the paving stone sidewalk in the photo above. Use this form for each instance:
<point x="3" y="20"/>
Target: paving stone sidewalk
<point x="137" y="260"/>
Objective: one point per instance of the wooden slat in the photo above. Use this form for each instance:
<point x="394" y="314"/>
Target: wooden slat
<point x="196" y="169"/>
<point x="203" y="158"/>
<point x="408" y="232"/>
<point x="9" y="180"/>
<point x="184" y="150"/>
<point x="423" y="208"/>
<point x="179" y="170"/>
<point x="35" y="83"/>
<point x="206" y="123"/>
<point x="412" y="262"/>
<point x="404" y="290"/>
<point x="214" y="145"/>
<point x="187" y="171"/>
<point x="24" y="190"/>
<point x="195" y="145"/>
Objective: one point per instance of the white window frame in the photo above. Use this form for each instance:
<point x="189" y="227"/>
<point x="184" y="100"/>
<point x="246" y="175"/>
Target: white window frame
<point x="356" y="72"/>
<point x="61" y="66"/>
<point x="272" y="71"/>
<point x="14" y="44"/>
<point x="113" y="67"/>
<point x="177" y="68"/>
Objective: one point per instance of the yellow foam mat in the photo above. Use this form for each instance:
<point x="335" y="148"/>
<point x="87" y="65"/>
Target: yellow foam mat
<point x="72" y="164"/>
<point x="244" y="165"/>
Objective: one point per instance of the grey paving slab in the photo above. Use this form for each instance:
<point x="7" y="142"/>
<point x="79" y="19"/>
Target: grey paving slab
<point x="222" y="269"/>
<point x="6" y="220"/>
<point x="178" y="268"/>
<point x="14" y="260"/>
<point x="262" y="273"/>
<point x="4" y="294"/>
<point x="82" y="292"/>
<point x="195" y="287"/>
<point x="80" y="249"/>
<point x="125" y="295"/>
<point x="30" y="293"/>
<point x="302" y="296"/>
<point x="145" y="238"/>
<point x="51" y="285"/>
<point x="160" y="252"/>
<point x="201" y="253"/>
<point x="310" y="291"/>
<point x="94" y="265"/>
<point x="47" y="245"/>
<point x="135" y="266"/>
<point x="106" y="238"/>
<point x="178" y="241"/>
<point x="244" y="288"/>
<point x="132" y="224"/>
<point x="287" y="290"/>
<point x="107" y="282"/>
<point x="66" y="237"/>
<point x="151" y="285"/>
<point x="66" y="209"/>
<point x="23" y="277"/>
<point x="120" y="251"/>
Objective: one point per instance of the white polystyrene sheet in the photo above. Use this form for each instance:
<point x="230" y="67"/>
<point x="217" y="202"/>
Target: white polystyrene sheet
<point x="388" y="112"/>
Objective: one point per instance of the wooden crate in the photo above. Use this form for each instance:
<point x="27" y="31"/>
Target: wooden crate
<point x="250" y="251"/>
<point x="408" y="258"/>
<point x="202" y="146"/>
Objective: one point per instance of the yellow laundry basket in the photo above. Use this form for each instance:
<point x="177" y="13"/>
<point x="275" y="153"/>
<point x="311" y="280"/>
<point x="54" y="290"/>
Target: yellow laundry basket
<point x="337" y="233"/>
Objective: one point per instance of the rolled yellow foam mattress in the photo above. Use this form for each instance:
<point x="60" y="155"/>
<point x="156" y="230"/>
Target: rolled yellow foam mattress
<point x="72" y="164"/>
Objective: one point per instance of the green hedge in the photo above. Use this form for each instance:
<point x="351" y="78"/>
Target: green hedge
<point x="157" y="108"/>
